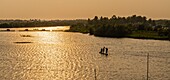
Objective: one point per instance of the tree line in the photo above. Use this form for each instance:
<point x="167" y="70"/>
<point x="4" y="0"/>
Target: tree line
<point x="37" y="23"/>
<point x="131" y="26"/>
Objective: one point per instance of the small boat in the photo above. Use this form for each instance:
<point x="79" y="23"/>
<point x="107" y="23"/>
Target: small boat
<point x="104" y="53"/>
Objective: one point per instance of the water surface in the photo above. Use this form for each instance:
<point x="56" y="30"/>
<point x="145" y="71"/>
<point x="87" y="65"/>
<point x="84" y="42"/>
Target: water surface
<point x="74" y="56"/>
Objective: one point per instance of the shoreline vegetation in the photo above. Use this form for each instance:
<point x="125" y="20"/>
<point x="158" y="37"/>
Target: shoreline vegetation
<point x="30" y="30"/>
<point x="138" y="27"/>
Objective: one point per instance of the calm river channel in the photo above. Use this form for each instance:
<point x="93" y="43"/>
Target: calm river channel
<point x="45" y="55"/>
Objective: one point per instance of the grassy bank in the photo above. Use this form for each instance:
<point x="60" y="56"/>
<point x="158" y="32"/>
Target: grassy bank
<point x="147" y="35"/>
<point x="136" y="34"/>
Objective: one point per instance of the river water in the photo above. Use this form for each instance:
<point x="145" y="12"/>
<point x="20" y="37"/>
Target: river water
<point x="75" y="56"/>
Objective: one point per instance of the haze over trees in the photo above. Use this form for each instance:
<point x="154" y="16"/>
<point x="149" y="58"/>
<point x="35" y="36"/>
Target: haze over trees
<point x="37" y="23"/>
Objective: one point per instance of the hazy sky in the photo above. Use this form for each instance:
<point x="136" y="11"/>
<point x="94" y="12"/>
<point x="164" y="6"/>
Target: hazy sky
<point x="75" y="9"/>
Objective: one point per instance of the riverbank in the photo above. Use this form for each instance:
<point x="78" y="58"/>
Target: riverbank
<point x="138" y="27"/>
<point x="147" y="35"/>
<point x="135" y="35"/>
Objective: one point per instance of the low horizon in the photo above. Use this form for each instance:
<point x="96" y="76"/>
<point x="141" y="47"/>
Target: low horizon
<point x="81" y="18"/>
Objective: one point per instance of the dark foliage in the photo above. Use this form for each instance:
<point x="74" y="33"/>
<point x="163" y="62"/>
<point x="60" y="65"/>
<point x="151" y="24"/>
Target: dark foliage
<point x="124" y="27"/>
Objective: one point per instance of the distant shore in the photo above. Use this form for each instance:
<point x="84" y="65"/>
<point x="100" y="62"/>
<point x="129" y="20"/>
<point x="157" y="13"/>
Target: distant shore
<point x="140" y="35"/>
<point x="138" y="27"/>
<point x="134" y="26"/>
<point x="134" y="36"/>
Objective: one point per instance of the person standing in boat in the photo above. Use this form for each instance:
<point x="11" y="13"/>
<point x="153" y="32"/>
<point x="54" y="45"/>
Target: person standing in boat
<point x="103" y="49"/>
<point x="106" y="50"/>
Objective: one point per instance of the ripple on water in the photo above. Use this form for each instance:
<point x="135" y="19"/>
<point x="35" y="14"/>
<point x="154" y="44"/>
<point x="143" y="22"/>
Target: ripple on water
<point x="73" y="56"/>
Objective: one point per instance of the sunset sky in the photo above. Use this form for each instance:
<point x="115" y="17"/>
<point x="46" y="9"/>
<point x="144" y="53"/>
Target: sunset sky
<point x="82" y="9"/>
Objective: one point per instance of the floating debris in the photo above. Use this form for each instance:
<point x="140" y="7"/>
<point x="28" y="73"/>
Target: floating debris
<point x="22" y="42"/>
<point x="8" y="30"/>
<point x="35" y="30"/>
<point x="26" y="30"/>
<point x="25" y="35"/>
<point x="43" y="30"/>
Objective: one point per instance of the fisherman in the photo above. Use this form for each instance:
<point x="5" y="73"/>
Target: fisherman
<point x="103" y="49"/>
<point x="106" y="50"/>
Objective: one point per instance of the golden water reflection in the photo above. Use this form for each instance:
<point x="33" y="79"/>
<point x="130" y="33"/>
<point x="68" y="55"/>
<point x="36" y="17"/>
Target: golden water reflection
<point x="74" y="56"/>
<point x="54" y="28"/>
